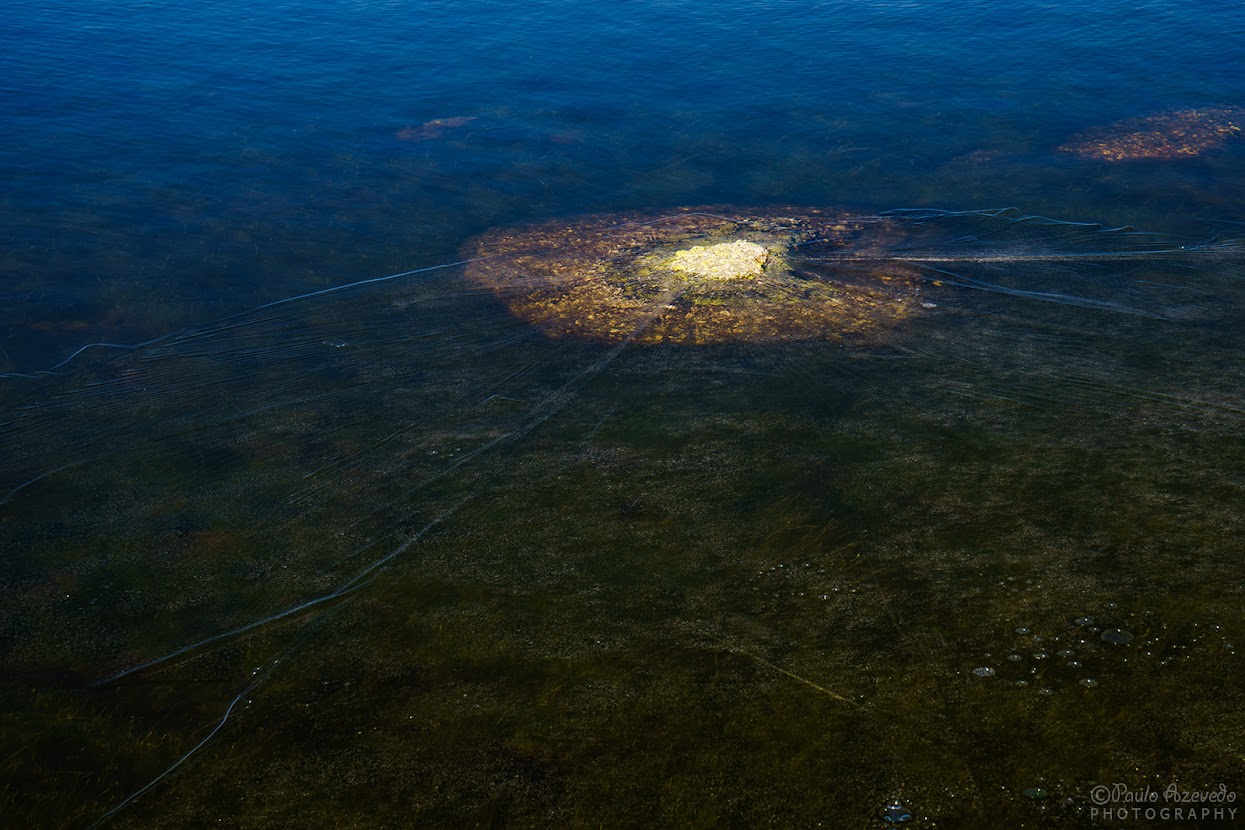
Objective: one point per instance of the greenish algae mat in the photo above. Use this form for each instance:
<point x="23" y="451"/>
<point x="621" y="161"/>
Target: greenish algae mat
<point x="391" y="557"/>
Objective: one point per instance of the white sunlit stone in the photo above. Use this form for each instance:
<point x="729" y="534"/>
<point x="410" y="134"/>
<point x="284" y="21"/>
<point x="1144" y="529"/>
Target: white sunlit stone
<point x="724" y="261"/>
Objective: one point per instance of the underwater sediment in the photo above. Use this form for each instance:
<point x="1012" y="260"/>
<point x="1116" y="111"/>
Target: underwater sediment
<point x="700" y="275"/>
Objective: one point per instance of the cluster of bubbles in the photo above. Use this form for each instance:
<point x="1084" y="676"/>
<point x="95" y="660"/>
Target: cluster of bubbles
<point x="1049" y="662"/>
<point x="1099" y="644"/>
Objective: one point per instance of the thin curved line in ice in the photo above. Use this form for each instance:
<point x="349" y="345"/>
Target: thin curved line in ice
<point x="130" y="799"/>
<point x="350" y="586"/>
<point x="259" y="676"/>
<point x="135" y="346"/>
<point x="39" y="477"/>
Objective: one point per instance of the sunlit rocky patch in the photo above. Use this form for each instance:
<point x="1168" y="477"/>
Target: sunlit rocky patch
<point x="696" y="276"/>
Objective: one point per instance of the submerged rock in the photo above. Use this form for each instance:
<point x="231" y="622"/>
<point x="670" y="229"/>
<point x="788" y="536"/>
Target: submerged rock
<point x="724" y="261"/>
<point x="1167" y="135"/>
<point x="436" y="128"/>
<point x="698" y="276"/>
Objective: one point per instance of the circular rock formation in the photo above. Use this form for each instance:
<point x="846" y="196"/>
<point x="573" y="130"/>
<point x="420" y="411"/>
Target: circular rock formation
<point x="699" y="276"/>
<point x="1168" y="135"/>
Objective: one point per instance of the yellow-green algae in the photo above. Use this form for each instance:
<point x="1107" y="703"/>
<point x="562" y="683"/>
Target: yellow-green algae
<point x="699" y="275"/>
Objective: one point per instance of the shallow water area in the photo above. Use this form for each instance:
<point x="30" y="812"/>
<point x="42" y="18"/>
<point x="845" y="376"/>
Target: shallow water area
<point x="391" y="551"/>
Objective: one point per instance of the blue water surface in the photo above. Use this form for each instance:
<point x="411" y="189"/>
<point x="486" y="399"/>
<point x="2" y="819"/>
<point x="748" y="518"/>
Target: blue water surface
<point x="166" y="162"/>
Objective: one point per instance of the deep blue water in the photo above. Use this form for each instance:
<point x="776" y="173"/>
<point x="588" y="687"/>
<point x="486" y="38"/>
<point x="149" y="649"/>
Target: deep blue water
<point x="168" y="162"/>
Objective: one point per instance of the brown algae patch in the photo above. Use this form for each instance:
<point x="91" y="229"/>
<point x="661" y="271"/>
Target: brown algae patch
<point x="1168" y="135"/>
<point x="695" y="276"/>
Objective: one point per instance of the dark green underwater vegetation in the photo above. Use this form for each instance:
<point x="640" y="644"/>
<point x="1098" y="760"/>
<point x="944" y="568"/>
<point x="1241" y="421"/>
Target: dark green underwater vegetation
<point x="390" y="558"/>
